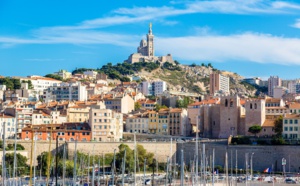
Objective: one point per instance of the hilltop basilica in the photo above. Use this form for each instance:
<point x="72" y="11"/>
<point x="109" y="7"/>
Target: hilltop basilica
<point x="145" y="52"/>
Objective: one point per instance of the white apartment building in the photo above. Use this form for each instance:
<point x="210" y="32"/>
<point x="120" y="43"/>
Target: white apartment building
<point x="2" y="91"/>
<point x="40" y="83"/>
<point x="294" y="86"/>
<point x="253" y="81"/>
<point x="291" y="127"/>
<point x="40" y="117"/>
<point x="273" y="81"/>
<point x="218" y="83"/>
<point x="66" y="91"/>
<point x="106" y="125"/>
<point x="90" y="74"/>
<point x="10" y="124"/>
<point x="152" y="88"/>
<point x="23" y="116"/>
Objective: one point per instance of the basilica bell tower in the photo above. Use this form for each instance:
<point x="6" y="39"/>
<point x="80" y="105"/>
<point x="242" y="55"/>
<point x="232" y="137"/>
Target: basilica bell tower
<point x="150" y="37"/>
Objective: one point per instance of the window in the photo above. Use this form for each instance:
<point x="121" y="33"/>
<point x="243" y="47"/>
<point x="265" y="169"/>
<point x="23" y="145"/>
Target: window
<point x="295" y="121"/>
<point x="285" y="128"/>
<point x="291" y="128"/>
<point x="95" y="114"/>
<point x="105" y="126"/>
<point x="285" y="121"/>
<point x="295" y="128"/>
<point x="250" y="105"/>
<point x="291" y="121"/>
<point x="255" y="106"/>
<point x="226" y="103"/>
<point x="73" y="133"/>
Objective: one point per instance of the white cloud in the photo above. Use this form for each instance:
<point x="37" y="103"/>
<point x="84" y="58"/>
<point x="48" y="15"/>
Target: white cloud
<point x="296" y="24"/>
<point x="252" y="47"/>
<point x="72" y="37"/>
<point x="43" y="59"/>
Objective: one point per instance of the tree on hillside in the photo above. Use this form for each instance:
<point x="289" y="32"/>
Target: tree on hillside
<point x="184" y="102"/>
<point x="278" y="126"/>
<point x="137" y="106"/>
<point x="255" y="129"/>
<point x="53" y="76"/>
<point x="158" y="107"/>
<point x="176" y="62"/>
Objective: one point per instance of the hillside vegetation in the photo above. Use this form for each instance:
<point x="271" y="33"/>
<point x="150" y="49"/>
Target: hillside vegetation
<point x="186" y="78"/>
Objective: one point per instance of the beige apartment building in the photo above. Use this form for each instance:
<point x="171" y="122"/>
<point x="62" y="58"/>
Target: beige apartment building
<point x="178" y="122"/>
<point x="137" y="123"/>
<point x="122" y="103"/>
<point x="78" y="113"/>
<point x="106" y="124"/>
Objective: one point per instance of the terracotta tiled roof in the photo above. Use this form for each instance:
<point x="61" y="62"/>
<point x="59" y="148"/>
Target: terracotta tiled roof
<point x="175" y="110"/>
<point x="206" y="102"/>
<point x="268" y="123"/>
<point x="292" y="116"/>
<point x="273" y="100"/>
<point x="294" y="105"/>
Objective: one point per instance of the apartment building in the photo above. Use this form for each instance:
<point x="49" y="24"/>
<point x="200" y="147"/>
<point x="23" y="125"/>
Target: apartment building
<point x="273" y="81"/>
<point x="40" y="117"/>
<point x="178" y="122"/>
<point x="218" y="83"/>
<point x="122" y="103"/>
<point x="64" y="132"/>
<point x="138" y="123"/>
<point x="23" y="116"/>
<point x="66" y="91"/>
<point x="152" y="87"/>
<point x="10" y="124"/>
<point x="106" y="124"/>
<point x="90" y="74"/>
<point x="40" y="83"/>
<point x="78" y="113"/>
<point x="291" y="127"/>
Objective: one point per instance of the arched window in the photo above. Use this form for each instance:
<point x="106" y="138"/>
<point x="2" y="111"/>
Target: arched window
<point x="231" y="103"/>
<point x="226" y="103"/>
<point x="250" y="105"/>
<point x="255" y="106"/>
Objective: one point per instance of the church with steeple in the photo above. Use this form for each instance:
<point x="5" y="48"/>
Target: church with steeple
<point x="145" y="52"/>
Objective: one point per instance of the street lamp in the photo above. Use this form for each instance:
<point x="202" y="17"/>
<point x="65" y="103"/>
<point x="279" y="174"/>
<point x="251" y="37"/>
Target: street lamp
<point x="251" y="164"/>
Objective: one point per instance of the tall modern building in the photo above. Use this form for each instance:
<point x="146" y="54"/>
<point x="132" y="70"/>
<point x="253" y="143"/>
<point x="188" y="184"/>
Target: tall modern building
<point x="218" y="83"/>
<point x="152" y="88"/>
<point x="294" y="86"/>
<point x="273" y="81"/>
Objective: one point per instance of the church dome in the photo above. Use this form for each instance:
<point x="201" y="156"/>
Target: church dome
<point x="143" y="43"/>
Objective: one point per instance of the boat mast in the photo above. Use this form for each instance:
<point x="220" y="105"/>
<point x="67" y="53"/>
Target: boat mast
<point x="123" y="166"/>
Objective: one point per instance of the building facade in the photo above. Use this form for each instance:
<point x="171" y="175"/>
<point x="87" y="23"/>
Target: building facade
<point x="66" y="91"/>
<point x="106" y="125"/>
<point x="273" y="81"/>
<point x="218" y="84"/>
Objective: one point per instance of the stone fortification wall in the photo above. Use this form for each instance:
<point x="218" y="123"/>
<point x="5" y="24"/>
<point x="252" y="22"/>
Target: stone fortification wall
<point x="263" y="157"/>
<point x="161" y="150"/>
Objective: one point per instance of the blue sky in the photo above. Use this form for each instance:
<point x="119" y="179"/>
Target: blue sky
<point x="252" y="37"/>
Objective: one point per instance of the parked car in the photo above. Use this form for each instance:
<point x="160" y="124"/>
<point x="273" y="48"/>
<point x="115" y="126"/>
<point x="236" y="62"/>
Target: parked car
<point x="290" y="181"/>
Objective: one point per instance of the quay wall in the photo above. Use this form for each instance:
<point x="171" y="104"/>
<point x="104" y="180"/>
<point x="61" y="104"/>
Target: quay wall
<point x="265" y="156"/>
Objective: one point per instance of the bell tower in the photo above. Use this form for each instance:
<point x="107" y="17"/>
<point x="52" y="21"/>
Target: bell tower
<point x="150" y="37"/>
